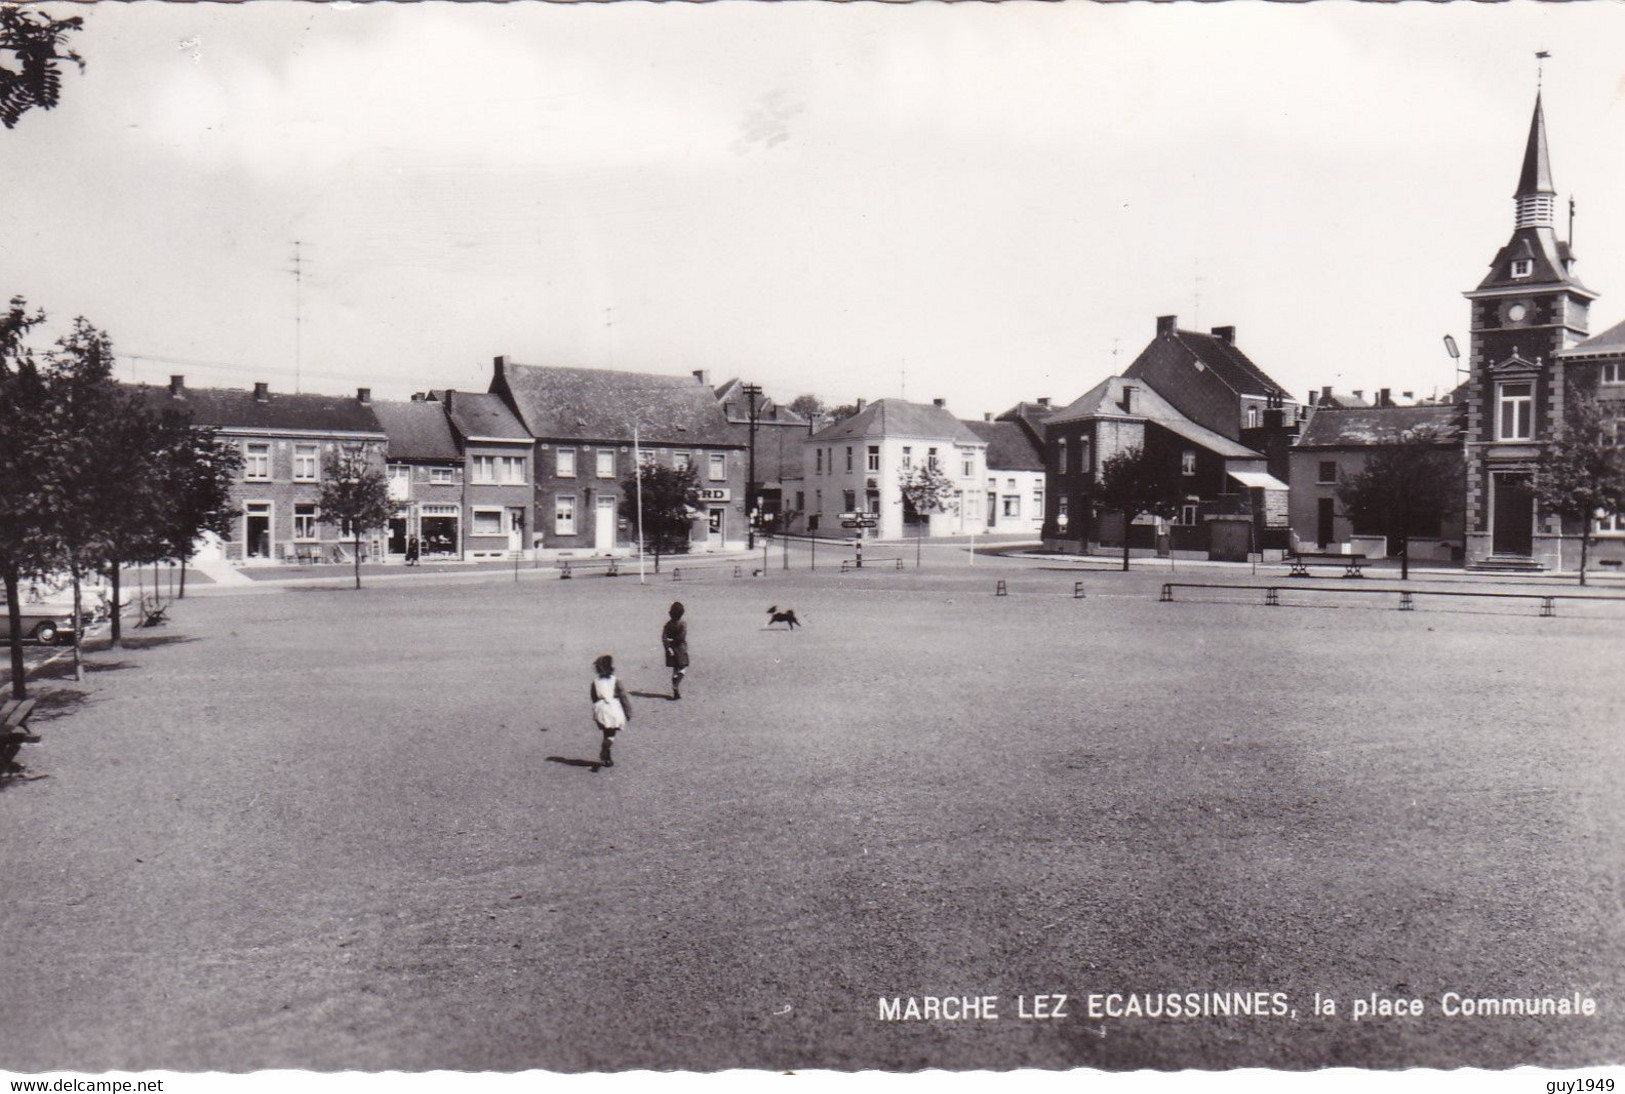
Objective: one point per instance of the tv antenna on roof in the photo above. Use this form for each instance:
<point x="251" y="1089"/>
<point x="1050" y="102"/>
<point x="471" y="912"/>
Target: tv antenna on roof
<point x="1541" y="55"/>
<point x="299" y="262"/>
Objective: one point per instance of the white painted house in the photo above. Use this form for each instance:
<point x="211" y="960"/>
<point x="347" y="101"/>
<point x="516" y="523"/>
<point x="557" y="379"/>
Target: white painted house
<point x="855" y="466"/>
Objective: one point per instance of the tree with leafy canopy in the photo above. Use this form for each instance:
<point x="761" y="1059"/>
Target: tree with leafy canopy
<point x="26" y="409"/>
<point x="200" y="468"/>
<point x="670" y="500"/>
<point x="1136" y="484"/>
<point x="1405" y="489"/>
<point x="1580" y="474"/>
<point x="33" y="47"/>
<point x="810" y="407"/>
<point x="354" y="497"/>
<point x="926" y="489"/>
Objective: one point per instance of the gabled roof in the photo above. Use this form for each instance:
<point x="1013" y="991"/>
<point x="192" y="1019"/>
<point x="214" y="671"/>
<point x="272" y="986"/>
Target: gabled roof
<point x="900" y="418"/>
<point x="1105" y="401"/>
<point x="736" y="405"/>
<point x="417" y="430"/>
<point x="238" y="410"/>
<point x="601" y="405"/>
<point x="1009" y="446"/>
<point x="1337" y="427"/>
<point x="1229" y="364"/>
<point x="482" y="415"/>
<point x="1610" y="343"/>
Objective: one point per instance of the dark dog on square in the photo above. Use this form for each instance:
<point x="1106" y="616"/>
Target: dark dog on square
<point x="786" y="616"/>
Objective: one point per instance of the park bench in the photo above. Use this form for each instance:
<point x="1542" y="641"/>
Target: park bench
<point x="1407" y="597"/>
<point x="612" y="567"/>
<point x="14" y="730"/>
<point x="154" y="613"/>
<point x="1300" y="561"/>
<point x="856" y="564"/>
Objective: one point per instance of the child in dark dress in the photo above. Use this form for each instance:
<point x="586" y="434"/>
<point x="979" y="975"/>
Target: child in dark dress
<point x="610" y="707"/>
<point x="674" y="637"/>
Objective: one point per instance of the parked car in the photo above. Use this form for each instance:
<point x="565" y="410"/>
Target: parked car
<point x="46" y="624"/>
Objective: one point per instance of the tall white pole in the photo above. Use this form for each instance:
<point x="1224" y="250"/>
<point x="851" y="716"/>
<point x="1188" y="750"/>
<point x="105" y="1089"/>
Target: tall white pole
<point x="637" y="460"/>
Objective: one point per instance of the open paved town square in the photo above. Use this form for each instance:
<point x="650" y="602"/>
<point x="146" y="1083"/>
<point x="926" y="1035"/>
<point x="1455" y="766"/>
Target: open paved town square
<point x="325" y="828"/>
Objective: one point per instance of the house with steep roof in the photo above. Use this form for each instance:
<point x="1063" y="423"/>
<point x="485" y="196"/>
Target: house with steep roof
<point x="779" y="432"/>
<point x="1209" y="380"/>
<point x="497" y="502"/>
<point x="590" y="426"/>
<point x="285" y="440"/>
<point x="425" y="468"/>
<point x="1222" y="477"/>
<point x="1335" y="444"/>
<point x="1528" y="310"/>
<point x="854" y="466"/>
<point x="1015" y="476"/>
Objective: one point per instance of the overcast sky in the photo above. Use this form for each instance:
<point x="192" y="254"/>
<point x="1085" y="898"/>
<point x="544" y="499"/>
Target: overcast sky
<point x="977" y="202"/>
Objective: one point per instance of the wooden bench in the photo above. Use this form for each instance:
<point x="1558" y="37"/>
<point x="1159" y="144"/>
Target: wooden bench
<point x="14" y="730"/>
<point x="153" y="613"/>
<point x="1300" y="561"/>
<point x="858" y="564"/>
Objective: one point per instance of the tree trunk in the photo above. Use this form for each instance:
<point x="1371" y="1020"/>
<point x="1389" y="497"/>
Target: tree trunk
<point x="1404" y="558"/>
<point x="78" y="630"/>
<point x="185" y="558"/>
<point x="1127" y="520"/>
<point x="1585" y="542"/>
<point x="117" y="631"/>
<point x="14" y="608"/>
<point x="358" y="560"/>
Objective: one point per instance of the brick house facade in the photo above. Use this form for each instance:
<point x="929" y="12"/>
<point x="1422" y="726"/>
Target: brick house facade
<point x="591" y="425"/>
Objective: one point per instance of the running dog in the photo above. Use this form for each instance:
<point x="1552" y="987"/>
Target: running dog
<point x="786" y="616"/>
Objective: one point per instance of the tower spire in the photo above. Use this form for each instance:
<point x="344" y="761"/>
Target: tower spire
<point x="1536" y="195"/>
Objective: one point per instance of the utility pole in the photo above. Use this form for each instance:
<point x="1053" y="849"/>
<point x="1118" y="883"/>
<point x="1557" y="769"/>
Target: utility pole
<point x="752" y="392"/>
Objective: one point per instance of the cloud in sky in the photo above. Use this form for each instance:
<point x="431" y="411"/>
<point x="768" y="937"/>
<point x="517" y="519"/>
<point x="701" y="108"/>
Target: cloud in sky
<point x="985" y="199"/>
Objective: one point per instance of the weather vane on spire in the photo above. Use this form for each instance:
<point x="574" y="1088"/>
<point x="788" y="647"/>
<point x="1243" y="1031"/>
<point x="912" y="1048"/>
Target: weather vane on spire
<point x="1540" y="68"/>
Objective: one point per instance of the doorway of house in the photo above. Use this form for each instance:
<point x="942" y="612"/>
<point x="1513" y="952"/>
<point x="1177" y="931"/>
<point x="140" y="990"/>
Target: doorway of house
<point x="1323" y="531"/>
<point x="714" y="527"/>
<point x="516" y="529"/>
<point x="1514" y="515"/>
<point x="603" y="536"/>
<point x="257" y="526"/>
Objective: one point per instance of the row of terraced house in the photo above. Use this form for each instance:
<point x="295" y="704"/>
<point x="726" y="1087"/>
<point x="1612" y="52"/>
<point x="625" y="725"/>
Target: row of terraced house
<point x="537" y="463"/>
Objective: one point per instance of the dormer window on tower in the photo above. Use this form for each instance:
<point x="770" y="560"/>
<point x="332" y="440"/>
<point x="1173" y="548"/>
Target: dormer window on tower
<point x="1522" y="267"/>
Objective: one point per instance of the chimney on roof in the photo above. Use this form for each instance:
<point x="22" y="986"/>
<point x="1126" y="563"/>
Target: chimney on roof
<point x="860" y="404"/>
<point x="1385" y="397"/>
<point x="1325" y="395"/>
<point x="1408" y="396"/>
<point x="940" y="404"/>
<point x="1227" y="335"/>
<point x="987" y="415"/>
<point x="363" y="395"/>
<point x="1043" y="401"/>
<point x="1128" y="399"/>
<point x="1167" y="323"/>
<point x="177" y="387"/>
<point x="703" y="376"/>
<point x="499" y="364"/>
<point x="1359" y="393"/>
<point x="262" y="391"/>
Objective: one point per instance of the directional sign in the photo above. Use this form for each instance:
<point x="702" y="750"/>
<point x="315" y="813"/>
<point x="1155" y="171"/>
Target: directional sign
<point x="851" y="524"/>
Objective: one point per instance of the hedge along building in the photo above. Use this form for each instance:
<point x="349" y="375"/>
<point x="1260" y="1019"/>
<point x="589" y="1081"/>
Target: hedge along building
<point x="1336" y="443"/>
<point x="425" y="469"/>
<point x="285" y="440"/>
<point x="1219" y="477"/>
<point x="583" y="423"/>
<point x="855" y="465"/>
